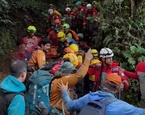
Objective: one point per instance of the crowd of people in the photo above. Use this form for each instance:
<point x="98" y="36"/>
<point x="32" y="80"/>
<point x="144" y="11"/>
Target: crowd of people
<point x="74" y="73"/>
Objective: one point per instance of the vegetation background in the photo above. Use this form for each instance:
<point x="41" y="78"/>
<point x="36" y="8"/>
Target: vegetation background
<point x="121" y="27"/>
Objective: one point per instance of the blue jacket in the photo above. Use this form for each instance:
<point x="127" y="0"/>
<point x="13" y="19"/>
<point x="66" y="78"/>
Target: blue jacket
<point x="118" y="107"/>
<point x="11" y="84"/>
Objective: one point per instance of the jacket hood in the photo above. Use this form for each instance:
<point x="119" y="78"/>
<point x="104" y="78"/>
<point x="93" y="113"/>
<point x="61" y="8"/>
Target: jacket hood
<point x="12" y="84"/>
<point x="100" y="95"/>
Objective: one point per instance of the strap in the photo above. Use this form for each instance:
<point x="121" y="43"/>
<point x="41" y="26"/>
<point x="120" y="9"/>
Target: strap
<point x="109" y="100"/>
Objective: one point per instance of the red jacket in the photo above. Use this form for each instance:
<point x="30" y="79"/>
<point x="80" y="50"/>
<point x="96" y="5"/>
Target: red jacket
<point x="139" y="68"/>
<point x="98" y="70"/>
<point x="53" y="37"/>
<point x="90" y="13"/>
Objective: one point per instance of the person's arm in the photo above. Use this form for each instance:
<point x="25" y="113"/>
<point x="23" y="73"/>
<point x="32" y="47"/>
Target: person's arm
<point x="17" y="106"/>
<point x="74" y="105"/>
<point x="41" y="58"/>
<point x="131" y="74"/>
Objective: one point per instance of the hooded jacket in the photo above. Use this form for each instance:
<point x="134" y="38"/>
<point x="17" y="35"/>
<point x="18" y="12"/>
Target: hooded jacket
<point x="117" y="107"/>
<point x="10" y="85"/>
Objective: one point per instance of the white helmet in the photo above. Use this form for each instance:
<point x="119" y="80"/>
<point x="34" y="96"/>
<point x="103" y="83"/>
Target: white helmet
<point x="89" y="6"/>
<point x="106" y="53"/>
<point x="50" y="11"/>
<point x="67" y="9"/>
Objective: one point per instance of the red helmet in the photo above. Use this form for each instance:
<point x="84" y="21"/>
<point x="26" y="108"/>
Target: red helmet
<point x="55" y="68"/>
<point x="57" y="21"/>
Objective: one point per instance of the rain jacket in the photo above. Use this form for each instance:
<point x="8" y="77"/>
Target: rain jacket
<point x="117" y="107"/>
<point x="17" y="105"/>
<point x="72" y="80"/>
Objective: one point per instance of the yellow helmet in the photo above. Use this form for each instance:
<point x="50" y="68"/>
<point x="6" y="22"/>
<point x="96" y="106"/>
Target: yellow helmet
<point x="74" y="47"/>
<point x="94" y="61"/>
<point x="94" y="52"/>
<point x="61" y="36"/>
<point x="72" y="57"/>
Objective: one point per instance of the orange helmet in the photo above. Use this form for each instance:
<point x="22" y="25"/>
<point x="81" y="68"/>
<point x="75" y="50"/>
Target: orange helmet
<point x="68" y="50"/>
<point x="57" y="21"/>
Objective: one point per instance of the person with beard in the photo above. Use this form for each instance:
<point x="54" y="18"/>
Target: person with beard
<point x="38" y="58"/>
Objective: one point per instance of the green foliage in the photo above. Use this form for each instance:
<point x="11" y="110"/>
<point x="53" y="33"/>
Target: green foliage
<point x="125" y="35"/>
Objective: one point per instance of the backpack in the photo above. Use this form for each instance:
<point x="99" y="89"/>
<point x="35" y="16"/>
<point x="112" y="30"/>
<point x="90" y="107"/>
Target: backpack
<point x="5" y="100"/>
<point x="74" y="35"/>
<point x="38" y="100"/>
<point x="96" y="107"/>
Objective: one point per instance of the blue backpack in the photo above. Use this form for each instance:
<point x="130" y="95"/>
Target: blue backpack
<point x="96" y="107"/>
<point x="38" y="101"/>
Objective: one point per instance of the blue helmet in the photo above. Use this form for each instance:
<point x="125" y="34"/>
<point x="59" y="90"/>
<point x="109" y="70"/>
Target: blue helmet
<point x="78" y="3"/>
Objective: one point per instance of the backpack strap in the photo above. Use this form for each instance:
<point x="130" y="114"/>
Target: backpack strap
<point x="109" y="100"/>
<point x="9" y="96"/>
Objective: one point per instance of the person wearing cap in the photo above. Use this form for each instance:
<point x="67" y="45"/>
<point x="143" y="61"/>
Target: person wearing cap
<point x="68" y="75"/>
<point x="139" y="74"/>
<point x="107" y="66"/>
<point x="111" y="86"/>
<point x="38" y="58"/>
<point x="12" y="89"/>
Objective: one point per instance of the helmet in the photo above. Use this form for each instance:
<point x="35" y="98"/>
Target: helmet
<point x="61" y="36"/>
<point x="67" y="9"/>
<point x="74" y="47"/>
<point x="65" y="26"/>
<point x="31" y="29"/>
<point x="89" y="6"/>
<point x="72" y="58"/>
<point x="94" y="61"/>
<point x="57" y="21"/>
<point x="94" y="52"/>
<point x="94" y="2"/>
<point x="68" y="50"/>
<point x="78" y="3"/>
<point x="106" y="52"/>
<point x="50" y="11"/>
<point x="80" y="35"/>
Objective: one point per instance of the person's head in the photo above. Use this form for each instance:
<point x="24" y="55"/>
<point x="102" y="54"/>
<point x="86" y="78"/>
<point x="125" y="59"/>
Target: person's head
<point x="68" y="50"/>
<point x="45" y="45"/>
<point x="31" y="30"/>
<point x="57" y="22"/>
<point x="106" y="55"/>
<point x="74" y="47"/>
<point x="72" y="58"/>
<point x="51" y="6"/>
<point x="61" y="36"/>
<point x="68" y="10"/>
<point x="94" y="4"/>
<point x="94" y="52"/>
<point x="50" y="11"/>
<point x="78" y="4"/>
<point x="89" y="6"/>
<point x="66" y="27"/>
<point x="18" y="69"/>
<point x="67" y="68"/>
<point x="113" y="83"/>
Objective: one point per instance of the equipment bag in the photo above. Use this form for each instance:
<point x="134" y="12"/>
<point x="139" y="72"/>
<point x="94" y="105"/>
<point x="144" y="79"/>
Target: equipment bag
<point x="96" y="107"/>
<point x="38" y="100"/>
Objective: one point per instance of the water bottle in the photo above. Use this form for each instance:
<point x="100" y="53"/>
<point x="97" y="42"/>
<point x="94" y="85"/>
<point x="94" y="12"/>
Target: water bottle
<point x="43" y="108"/>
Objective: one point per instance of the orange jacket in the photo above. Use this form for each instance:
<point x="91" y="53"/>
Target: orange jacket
<point x="37" y="60"/>
<point x="72" y="80"/>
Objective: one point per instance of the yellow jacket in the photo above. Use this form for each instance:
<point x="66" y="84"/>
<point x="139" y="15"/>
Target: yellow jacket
<point x="37" y="60"/>
<point x="72" y="80"/>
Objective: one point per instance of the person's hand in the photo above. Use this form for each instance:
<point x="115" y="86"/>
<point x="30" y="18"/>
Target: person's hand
<point x="62" y="87"/>
<point x="89" y="55"/>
